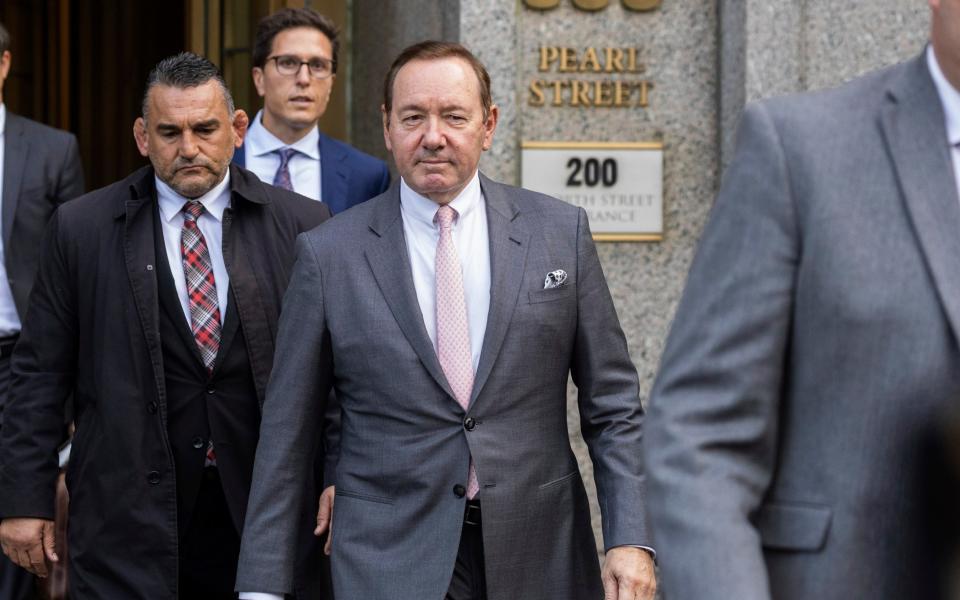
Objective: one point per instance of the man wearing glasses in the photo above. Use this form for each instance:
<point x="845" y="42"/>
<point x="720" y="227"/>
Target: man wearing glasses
<point x="295" y="63"/>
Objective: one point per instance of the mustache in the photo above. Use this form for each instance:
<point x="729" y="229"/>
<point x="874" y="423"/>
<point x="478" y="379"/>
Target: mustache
<point x="431" y="155"/>
<point x="197" y="162"/>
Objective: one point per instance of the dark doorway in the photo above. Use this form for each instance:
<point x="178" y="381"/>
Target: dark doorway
<point x="80" y="65"/>
<point x="114" y="44"/>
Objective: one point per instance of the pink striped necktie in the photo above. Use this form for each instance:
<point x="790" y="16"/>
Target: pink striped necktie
<point x="453" y="330"/>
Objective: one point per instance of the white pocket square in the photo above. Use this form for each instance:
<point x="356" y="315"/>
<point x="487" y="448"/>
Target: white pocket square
<point x="555" y="279"/>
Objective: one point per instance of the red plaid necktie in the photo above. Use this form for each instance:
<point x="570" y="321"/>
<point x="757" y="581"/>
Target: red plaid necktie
<point x="201" y="287"/>
<point x="202" y="294"/>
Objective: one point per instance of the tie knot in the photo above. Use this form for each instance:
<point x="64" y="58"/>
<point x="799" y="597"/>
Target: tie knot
<point x="445" y="216"/>
<point x="285" y="154"/>
<point x="192" y="210"/>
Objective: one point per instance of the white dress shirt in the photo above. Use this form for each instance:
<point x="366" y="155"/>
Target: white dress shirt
<point x="9" y="319"/>
<point x="950" y="99"/>
<point x="261" y="145"/>
<point x="211" y="226"/>
<point x="472" y="240"/>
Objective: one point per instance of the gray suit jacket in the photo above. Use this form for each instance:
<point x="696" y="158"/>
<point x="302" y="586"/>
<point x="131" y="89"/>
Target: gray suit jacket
<point x="41" y="170"/>
<point x="796" y="428"/>
<point x="351" y="321"/>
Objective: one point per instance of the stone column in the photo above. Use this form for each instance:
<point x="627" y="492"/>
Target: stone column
<point x="772" y="47"/>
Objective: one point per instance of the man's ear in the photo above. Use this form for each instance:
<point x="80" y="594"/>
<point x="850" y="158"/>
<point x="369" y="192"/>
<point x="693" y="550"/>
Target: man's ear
<point x="5" y="60"/>
<point x="140" y="135"/>
<point x="385" y="117"/>
<point x="258" y="83"/>
<point x="490" y="125"/>
<point x="240" y="123"/>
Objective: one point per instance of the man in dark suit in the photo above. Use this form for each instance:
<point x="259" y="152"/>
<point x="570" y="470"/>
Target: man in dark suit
<point x="39" y="170"/>
<point x="447" y="315"/>
<point x="800" y="422"/>
<point x="295" y="63"/>
<point x="156" y="307"/>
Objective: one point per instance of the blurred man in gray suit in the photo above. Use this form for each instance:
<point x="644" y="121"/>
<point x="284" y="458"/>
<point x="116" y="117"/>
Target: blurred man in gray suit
<point x="447" y="315"/>
<point x="798" y="424"/>
<point x="39" y="170"/>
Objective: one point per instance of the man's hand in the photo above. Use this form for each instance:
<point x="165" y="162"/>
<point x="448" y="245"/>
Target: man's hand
<point x="26" y="541"/>
<point x="628" y="574"/>
<point x="325" y="517"/>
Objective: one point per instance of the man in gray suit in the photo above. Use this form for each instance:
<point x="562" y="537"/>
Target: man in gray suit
<point x="39" y="170"/>
<point x="799" y="423"/>
<point x="447" y="315"/>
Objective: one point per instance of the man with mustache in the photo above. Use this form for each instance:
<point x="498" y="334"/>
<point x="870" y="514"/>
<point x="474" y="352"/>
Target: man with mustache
<point x="295" y="55"/>
<point x="155" y="307"/>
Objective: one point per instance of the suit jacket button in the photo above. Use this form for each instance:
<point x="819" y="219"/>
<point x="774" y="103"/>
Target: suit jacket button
<point x="153" y="477"/>
<point x="459" y="491"/>
<point x="198" y="442"/>
<point x="469" y="424"/>
<point x="211" y="390"/>
<point x="152" y="408"/>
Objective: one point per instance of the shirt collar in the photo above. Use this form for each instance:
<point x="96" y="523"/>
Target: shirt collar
<point x="261" y="142"/>
<point x="214" y="202"/>
<point x="424" y="209"/>
<point x="949" y="97"/>
<point x="3" y="118"/>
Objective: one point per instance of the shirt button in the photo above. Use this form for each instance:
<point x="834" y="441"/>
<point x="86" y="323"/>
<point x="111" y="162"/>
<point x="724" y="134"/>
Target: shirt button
<point x="153" y="477"/>
<point x="198" y="442"/>
<point x="459" y="491"/>
<point x="469" y="424"/>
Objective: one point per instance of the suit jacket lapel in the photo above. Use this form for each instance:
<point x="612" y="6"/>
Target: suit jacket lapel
<point x="509" y="241"/>
<point x="15" y="151"/>
<point x="387" y="256"/>
<point x="913" y="125"/>
<point x="333" y="176"/>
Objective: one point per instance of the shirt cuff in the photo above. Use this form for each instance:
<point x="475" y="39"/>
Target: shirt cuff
<point x="259" y="596"/>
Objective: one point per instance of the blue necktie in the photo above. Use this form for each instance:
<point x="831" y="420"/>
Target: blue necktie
<point x="282" y="178"/>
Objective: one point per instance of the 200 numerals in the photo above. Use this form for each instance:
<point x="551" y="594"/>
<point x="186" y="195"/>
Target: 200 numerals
<point x="592" y="172"/>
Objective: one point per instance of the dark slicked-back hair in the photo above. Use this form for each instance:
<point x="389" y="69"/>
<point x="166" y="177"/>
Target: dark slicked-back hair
<point x="290" y="18"/>
<point x="4" y="39"/>
<point x="185" y="70"/>
<point x="433" y="50"/>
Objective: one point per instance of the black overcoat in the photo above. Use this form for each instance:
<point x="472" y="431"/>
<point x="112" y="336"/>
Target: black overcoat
<point x="92" y="331"/>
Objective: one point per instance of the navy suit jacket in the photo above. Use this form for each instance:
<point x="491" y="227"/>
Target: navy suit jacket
<point x="348" y="177"/>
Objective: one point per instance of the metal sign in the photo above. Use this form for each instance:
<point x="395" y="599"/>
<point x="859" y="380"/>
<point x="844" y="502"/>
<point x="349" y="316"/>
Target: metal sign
<point x="618" y="184"/>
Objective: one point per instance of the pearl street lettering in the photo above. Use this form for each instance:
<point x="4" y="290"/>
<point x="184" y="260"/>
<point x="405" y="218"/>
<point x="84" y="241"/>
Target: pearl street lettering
<point x="590" y="93"/>
<point x="591" y="5"/>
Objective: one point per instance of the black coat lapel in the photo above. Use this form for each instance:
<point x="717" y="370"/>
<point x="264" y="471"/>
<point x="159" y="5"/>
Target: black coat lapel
<point x="141" y="264"/>
<point x="15" y="151"/>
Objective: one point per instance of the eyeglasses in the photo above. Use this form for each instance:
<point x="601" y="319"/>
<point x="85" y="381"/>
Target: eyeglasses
<point x="288" y="66"/>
